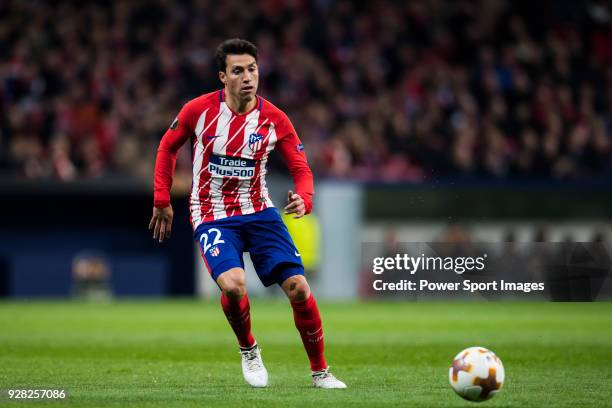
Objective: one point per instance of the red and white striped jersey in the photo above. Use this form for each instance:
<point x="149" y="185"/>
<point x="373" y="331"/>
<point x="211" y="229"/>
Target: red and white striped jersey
<point x="229" y="155"/>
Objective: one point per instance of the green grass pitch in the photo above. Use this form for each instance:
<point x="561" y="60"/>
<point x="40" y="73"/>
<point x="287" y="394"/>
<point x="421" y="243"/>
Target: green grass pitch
<point x="182" y="353"/>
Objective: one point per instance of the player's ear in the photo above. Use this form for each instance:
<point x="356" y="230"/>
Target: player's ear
<point x="222" y="77"/>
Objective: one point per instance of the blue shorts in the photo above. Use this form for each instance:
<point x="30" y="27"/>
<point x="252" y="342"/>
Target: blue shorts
<point x="262" y="234"/>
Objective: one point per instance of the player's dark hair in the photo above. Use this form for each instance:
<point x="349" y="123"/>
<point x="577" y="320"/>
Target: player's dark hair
<point x="233" y="46"/>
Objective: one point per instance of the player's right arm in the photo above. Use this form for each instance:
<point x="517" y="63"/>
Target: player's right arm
<point x="179" y="132"/>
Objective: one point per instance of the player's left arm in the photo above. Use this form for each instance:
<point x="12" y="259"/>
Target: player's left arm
<point x="291" y="148"/>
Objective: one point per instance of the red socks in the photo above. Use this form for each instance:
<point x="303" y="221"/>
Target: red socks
<point x="238" y="313"/>
<point x="308" y="323"/>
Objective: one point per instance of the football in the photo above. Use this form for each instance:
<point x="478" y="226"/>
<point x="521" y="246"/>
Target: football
<point x="476" y="374"/>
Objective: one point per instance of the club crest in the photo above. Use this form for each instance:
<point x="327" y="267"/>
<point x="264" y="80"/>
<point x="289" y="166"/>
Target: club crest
<point x="255" y="141"/>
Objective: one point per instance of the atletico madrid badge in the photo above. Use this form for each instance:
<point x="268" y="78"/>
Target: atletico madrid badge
<point x="214" y="251"/>
<point x="255" y="141"/>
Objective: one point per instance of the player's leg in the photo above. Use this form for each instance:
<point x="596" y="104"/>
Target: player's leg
<point x="235" y="304"/>
<point x="222" y="249"/>
<point x="307" y="318"/>
<point x="308" y="322"/>
<point x="277" y="260"/>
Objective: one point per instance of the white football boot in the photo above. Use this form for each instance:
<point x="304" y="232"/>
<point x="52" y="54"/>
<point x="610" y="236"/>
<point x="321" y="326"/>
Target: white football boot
<point x="325" y="379"/>
<point x="253" y="368"/>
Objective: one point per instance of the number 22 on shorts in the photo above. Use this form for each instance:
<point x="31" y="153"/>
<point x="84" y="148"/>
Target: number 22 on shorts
<point x="216" y="240"/>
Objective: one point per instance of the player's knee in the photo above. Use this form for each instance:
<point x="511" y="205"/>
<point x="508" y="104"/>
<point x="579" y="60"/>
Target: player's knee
<point x="297" y="289"/>
<point x="235" y="291"/>
<point x="233" y="284"/>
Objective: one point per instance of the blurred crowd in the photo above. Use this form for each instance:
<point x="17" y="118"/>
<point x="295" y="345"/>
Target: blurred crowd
<point x="414" y="91"/>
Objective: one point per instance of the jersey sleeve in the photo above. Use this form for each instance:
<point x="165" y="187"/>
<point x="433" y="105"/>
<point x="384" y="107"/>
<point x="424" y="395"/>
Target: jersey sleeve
<point x="292" y="151"/>
<point x="179" y="132"/>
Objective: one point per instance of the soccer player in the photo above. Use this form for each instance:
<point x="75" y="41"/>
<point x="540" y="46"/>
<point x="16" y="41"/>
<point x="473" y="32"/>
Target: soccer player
<point x="233" y="131"/>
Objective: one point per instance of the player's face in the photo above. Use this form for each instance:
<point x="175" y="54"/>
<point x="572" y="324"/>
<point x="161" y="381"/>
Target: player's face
<point x="241" y="76"/>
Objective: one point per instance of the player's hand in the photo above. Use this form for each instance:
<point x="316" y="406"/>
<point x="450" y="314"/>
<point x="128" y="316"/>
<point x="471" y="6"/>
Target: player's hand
<point x="161" y="223"/>
<point x="295" y="205"/>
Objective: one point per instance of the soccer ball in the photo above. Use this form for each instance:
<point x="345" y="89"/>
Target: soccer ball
<point x="476" y="374"/>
